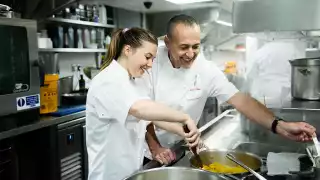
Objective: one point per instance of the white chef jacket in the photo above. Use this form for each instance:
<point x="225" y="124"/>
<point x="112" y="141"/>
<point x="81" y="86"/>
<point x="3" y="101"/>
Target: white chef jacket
<point x="270" y="72"/>
<point x="115" y="141"/>
<point x="187" y="89"/>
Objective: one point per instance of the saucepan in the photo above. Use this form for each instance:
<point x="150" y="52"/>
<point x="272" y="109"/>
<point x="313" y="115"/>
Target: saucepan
<point x="210" y="156"/>
<point x="174" y="173"/>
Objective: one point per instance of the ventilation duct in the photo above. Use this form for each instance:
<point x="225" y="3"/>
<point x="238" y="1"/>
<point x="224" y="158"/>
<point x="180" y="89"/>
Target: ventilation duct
<point x="250" y="16"/>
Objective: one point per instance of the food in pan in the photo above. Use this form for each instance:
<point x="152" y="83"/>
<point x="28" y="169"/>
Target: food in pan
<point x="224" y="169"/>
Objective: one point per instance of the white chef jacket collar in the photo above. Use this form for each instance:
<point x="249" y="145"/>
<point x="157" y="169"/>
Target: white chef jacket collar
<point x="118" y="69"/>
<point x="178" y="70"/>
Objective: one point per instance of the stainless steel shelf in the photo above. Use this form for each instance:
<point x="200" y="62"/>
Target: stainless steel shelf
<point x="79" y="23"/>
<point x="72" y="50"/>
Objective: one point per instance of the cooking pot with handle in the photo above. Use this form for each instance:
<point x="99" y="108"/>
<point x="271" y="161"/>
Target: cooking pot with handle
<point x="215" y="155"/>
<point x="174" y="173"/>
<point x="305" y="78"/>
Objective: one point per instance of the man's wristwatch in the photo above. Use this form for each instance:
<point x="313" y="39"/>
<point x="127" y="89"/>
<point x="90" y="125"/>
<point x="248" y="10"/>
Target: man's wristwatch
<point x="274" y="124"/>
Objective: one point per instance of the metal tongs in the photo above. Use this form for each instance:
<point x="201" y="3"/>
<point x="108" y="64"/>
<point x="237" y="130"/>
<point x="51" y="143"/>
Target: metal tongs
<point x="234" y="159"/>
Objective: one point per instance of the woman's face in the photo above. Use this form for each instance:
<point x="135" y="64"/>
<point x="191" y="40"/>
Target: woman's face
<point x="141" y="58"/>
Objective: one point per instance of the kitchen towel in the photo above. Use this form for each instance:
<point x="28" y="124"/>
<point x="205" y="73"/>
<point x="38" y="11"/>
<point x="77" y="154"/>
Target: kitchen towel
<point x="282" y="163"/>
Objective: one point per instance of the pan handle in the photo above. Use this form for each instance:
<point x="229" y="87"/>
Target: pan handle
<point x="230" y="176"/>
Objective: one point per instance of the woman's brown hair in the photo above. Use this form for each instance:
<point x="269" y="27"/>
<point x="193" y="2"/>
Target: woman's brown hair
<point x="133" y="37"/>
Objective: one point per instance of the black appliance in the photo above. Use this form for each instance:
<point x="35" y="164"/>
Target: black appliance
<point x="19" y="69"/>
<point x="71" y="150"/>
<point x="19" y="73"/>
<point x="8" y="161"/>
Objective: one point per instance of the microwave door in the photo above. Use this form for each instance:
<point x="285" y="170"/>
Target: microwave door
<point x="14" y="60"/>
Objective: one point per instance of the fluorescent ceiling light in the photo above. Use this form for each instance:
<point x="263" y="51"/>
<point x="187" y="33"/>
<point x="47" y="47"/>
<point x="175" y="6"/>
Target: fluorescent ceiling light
<point x="187" y="1"/>
<point x="224" y="23"/>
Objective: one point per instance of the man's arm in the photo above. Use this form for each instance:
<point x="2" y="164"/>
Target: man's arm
<point x="159" y="153"/>
<point x="252" y="109"/>
<point x="255" y="111"/>
<point x="151" y="138"/>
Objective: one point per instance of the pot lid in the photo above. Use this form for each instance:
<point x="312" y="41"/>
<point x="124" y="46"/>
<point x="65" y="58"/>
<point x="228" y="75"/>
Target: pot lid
<point x="306" y="62"/>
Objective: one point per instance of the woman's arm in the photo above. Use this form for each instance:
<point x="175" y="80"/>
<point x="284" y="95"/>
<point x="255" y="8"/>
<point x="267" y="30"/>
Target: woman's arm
<point x="152" y="111"/>
<point x="166" y="118"/>
<point x="170" y="127"/>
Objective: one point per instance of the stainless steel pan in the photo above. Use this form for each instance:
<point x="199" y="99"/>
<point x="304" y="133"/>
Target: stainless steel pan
<point x="216" y="155"/>
<point x="174" y="173"/>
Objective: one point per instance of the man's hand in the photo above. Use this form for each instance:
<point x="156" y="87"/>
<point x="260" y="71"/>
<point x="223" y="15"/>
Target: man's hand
<point x="297" y="131"/>
<point x="193" y="137"/>
<point x="163" y="155"/>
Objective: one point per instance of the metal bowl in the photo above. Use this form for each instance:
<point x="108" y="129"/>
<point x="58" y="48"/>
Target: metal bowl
<point x="210" y="156"/>
<point x="174" y="173"/>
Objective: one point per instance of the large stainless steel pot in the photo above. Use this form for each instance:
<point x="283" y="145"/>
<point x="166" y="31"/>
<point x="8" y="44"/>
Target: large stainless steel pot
<point x="210" y="156"/>
<point x="174" y="173"/>
<point x="305" y="78"/>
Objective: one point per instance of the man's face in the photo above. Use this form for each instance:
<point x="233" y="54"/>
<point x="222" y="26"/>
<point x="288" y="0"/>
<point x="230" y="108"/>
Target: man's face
<point x="183" y="45"/>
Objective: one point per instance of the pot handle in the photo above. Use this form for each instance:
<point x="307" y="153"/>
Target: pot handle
<point x="304" y="71"/>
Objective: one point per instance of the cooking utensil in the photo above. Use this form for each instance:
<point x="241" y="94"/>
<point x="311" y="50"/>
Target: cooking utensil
<point x="234" y="159"/>
<point x="305" y="75"/>
<point x="311" y="157"/>
<point x="65" y="86"/>
<point x="176" y="173"/>
<point x="194" y="149"/>
<point x="316" y="145"/>
<point x="216" y="155"/>
<point x="74" y="98"/>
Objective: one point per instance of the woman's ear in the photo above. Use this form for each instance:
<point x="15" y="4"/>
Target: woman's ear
<point x="126" y="50"/>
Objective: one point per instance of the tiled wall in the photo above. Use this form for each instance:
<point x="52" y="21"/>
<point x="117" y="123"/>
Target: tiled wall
<point x="67" y="59"/>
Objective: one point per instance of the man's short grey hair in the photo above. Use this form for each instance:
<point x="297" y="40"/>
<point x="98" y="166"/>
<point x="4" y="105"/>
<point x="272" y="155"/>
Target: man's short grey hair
<point x="180" y="19"/>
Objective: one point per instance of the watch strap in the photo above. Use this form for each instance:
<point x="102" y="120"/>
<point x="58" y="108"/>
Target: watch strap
<point x="275" y="124"/>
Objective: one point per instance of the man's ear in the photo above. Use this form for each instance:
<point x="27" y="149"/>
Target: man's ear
<point x="166" y="40"/>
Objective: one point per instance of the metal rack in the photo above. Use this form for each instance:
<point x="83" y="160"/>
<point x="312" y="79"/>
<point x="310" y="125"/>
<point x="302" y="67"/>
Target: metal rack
<point x="78" y="23"/>
<point x="72" y="50"/>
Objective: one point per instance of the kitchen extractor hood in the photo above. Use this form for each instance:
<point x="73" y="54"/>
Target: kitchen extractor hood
<point x="251" y="16"/>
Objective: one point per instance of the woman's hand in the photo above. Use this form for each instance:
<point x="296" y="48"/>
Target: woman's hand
<point x="193" y="136"/>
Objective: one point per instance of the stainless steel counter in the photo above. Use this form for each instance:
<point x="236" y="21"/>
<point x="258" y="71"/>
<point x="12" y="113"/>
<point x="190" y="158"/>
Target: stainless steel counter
<point x="44" y="121"/>
<point x="295" y="104"/>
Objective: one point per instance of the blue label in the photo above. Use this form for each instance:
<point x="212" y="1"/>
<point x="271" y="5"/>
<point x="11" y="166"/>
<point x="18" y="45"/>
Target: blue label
<point x="32" y="100"/>
<point x="28" y="102"/>
<point x="21" y="102"/>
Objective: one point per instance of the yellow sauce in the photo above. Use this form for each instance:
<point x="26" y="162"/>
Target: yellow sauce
<point x="223" y="169"/>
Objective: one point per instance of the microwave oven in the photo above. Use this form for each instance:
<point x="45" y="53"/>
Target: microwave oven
<point x="19" y="68"/>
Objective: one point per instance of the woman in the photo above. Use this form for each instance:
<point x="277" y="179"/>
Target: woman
<point x="115" y="139"/>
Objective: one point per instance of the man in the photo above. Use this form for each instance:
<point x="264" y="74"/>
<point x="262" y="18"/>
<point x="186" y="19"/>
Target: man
<point x="270" y="72"/>
<point x="183" y="79"/>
